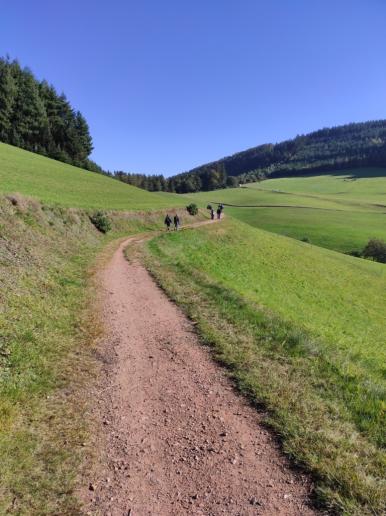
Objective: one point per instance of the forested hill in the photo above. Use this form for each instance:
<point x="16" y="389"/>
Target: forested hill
<point x="35" y="117"/>
<point x="347" y="146"/>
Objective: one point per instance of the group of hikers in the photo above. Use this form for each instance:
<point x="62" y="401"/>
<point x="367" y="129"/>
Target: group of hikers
<point x="176" y="219"/>
<point x="218" y="211"/>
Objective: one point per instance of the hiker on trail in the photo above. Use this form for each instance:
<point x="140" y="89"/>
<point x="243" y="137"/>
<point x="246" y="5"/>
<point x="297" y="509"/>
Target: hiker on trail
<point x="176" y="222"/>
<point x="218" y="213"/>
<point x="212" y="214"/>
<point x="168" y="222"/>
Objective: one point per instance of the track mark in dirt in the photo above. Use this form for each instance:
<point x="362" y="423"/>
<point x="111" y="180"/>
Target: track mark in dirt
<point x="177" y="439"/>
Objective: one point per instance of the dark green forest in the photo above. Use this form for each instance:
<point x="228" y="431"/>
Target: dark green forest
<point x="35" y="117"/>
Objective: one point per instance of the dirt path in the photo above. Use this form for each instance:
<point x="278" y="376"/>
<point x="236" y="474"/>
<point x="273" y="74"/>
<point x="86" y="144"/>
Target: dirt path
<point x="177" y="438"/>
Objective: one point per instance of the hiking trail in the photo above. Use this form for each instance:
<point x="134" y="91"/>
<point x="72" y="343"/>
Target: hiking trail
<point x="176" y="438"/>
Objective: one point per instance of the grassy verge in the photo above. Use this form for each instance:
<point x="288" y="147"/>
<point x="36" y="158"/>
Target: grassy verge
<point x="48" y="323"/>
<point x="43" y="262"/>
<point x="279" y="314"/>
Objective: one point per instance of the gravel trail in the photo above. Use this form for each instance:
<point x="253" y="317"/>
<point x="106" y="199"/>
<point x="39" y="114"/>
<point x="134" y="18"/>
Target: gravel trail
<point x="177" y="439"/>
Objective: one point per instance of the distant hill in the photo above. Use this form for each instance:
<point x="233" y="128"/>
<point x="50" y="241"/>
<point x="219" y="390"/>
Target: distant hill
<point x="337" y="148"/>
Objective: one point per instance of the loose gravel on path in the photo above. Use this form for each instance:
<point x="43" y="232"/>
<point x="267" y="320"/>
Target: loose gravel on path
<point x="177" y="438"/>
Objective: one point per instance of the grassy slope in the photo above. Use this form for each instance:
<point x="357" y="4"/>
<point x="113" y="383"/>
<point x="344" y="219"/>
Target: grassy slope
<point x="365" y="185"/>
<point x="54" y="182"/>
<point x="344" y="211"/>
<point x="43" y="258"/>
<point x="343" y="231"/>
<point x="46" y="327"/>
<point x="303" y="329"/>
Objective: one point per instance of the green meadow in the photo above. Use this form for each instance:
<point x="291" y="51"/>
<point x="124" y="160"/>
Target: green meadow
<point x="54" y="182"/>
<point x="302" y="330"/>
<point x="343" y="231"/>
<point x="364" y="185"/>
<point x="340" y="212"/>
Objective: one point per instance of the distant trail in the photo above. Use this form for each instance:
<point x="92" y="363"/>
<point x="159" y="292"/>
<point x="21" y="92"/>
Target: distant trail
<point x="176" y="438"/>
<point x="275" y="206"/>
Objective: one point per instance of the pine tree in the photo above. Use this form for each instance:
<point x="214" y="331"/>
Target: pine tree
<point x="52" y="107"/>
<point x="7" y="100"/>
<point x="29" y="118"/>
<point x="84" y="140"/>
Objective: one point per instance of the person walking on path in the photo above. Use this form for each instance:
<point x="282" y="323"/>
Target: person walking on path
<point x="212" y="214"/>
<point x="218" y="213"/>
<point x="168" y="222"/>
<point x="176" y="222"/>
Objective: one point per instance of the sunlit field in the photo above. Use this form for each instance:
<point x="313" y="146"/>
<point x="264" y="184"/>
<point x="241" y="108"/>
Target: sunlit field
<point x="340" y="212"/>
<point x="303" y="330"/>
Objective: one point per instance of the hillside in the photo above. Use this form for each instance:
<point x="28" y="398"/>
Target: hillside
<point x="340" y="211"/>
<point x="337" y="148"/>
<point x="55" y="182"/>
<point x="302" y="331"/>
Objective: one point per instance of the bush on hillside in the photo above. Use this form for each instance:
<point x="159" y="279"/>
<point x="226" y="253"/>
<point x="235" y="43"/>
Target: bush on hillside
<point x="101" y="221"/>
<point x="375" y="249"/>
<point x="305" y="239"/>
<point x="355" y="253"/>
<point x="232" y="182"/>
<point x="192" y="209"/>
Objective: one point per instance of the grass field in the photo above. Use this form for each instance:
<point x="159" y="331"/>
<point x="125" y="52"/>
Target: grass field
<point x="303" y="331"/>
<point x="340" y="212"/>
<point x="343" y="231"/>
<point x="365" y="185"/>
<point x="54" y="182"/>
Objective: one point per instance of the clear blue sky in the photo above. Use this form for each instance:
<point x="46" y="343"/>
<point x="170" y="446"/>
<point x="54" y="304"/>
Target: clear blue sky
<point x="169" y="84"/>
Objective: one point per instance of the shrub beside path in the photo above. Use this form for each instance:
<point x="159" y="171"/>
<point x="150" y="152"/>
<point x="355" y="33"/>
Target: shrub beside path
<point x="175" y="437"/>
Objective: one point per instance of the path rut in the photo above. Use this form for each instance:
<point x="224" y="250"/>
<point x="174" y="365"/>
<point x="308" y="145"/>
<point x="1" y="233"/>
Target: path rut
<point x="177" y="439"/>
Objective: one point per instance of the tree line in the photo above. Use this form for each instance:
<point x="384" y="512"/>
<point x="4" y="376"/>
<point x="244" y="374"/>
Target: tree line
<point x="34" y="117"/>
<point x="214" y="177"/>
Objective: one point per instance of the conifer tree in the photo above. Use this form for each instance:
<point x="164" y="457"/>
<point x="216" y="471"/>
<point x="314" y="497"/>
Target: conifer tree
<point x="7" y="99"/>
<point x="29" y="118"/>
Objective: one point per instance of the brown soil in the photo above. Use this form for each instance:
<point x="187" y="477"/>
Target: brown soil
<point x="176" y="437"/>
